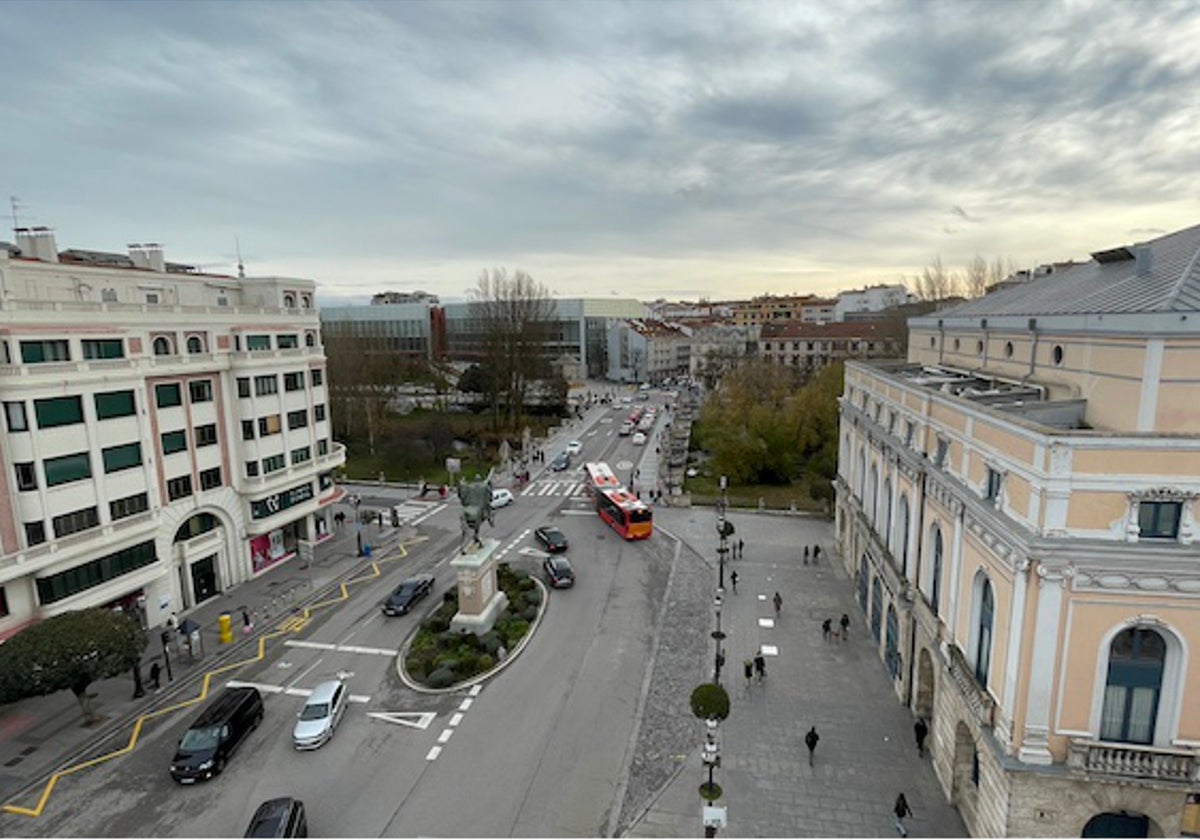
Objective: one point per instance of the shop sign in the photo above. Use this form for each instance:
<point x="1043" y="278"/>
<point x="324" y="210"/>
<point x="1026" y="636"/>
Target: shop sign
<point x="273" y="504"/>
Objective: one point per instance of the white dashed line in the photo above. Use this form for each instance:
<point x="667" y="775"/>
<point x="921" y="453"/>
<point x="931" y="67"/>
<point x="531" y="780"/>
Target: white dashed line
<point x="445" y="736"/>
<point x="456" y="719"/>
<point x="770" y="650"/>
<point x="766" y="622"/>
<point x="475" y="689"/>
<point x="465" y="704"/>
<point x="433" y="753"/>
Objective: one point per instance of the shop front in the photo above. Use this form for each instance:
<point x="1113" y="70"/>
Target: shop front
<point x="280" y="544"/>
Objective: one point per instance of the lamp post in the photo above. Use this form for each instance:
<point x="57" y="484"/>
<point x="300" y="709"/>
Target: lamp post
<point x="724" y="529"/>
<point x="355" y="501"/>
<point x="718" y="636"/>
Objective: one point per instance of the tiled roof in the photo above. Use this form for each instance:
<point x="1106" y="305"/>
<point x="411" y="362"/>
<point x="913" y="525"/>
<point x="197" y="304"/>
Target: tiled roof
<point x="1169" y="280"/>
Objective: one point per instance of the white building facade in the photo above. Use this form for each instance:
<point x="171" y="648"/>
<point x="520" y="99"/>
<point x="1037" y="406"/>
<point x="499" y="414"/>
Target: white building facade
<point x="166" y="432"/>
<point x="860" y="302"/>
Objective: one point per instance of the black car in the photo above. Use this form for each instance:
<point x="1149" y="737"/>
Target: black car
<point x="216" y="733"/>
<point x="551" y="539"/>
<point x="561" y="462"/>
<point x="283" y="817"/>
<point x="406" y="594"/>
<point x="559" y="573"/>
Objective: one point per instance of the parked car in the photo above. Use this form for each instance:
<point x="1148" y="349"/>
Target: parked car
<point x="575" y="447"/>
<point x="639" y="439"/>
<point x="407" y="594"/>
<point x="559" y="573"/>
<point x="502" y="497"/>
<point x="561" y="462"/>
<point x="320" y="716"/>
<point x="626" y="429"/>
<point x="216" y="733"/>
<point x="551" y="538"/>
<point x="283" y="817"/>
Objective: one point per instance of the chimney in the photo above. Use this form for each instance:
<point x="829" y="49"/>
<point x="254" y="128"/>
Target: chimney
<point x="148" y="256"/>
<point x="37" y="243"/>
<point x="1143" y="259"/>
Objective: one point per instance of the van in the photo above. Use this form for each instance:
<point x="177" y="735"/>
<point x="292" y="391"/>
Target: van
<point x="216" y="733"/>
<point x="283" y="817"/>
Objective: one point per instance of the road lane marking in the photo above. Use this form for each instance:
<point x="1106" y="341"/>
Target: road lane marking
<point x="422" y="719"/>
<point x="465" y="704"/>
<point x="316" y="645"/>
<point x="766" y="622"/>
<point x="770" y="650"/>
<point x="475" y="689"/>
<point x="433" y="753"/>
<point x="267" y="688"/>
<point x="306" y="670"/>
<point x="456" y="719"/>
<point x="300" y="643"/>
<point x="445" y="736"/>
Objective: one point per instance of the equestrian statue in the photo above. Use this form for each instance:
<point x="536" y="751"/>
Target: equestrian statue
<point x="476" y="498"/>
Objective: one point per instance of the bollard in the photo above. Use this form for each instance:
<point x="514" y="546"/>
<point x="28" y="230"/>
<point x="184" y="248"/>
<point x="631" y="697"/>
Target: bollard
<point x="226" y="626"/>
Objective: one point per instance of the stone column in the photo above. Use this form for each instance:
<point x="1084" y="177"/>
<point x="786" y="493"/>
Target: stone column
<point x="1035" y="743"/>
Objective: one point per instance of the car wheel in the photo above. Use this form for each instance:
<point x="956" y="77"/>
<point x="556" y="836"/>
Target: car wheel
<point x="257" y="720"/>
<point x="219" y="767"/>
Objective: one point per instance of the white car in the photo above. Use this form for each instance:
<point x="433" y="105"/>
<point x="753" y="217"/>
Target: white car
<point x="320" y="716"/>
<point x="502" y="498"/>
<point x="639" y="439"/>
<point x="574" y="447"/>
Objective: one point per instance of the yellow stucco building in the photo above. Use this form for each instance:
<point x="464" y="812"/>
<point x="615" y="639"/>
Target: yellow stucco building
<point x="1017" y="504"/>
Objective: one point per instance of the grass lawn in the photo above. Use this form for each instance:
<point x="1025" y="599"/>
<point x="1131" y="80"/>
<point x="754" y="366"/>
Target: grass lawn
<point x="705" y="490"/>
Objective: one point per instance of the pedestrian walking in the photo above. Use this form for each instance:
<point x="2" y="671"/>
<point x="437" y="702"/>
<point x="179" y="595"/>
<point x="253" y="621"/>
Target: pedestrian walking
<point x="810" y="741"/>
<point x="748" y="668"/>
<point x="921" y="730"/>
<point x="247" y="624"/>
<point x="760" y="665"/>
<point x="156" y="675"/>
<point x="816" y="553"/>
<point x="805" y="555"/>
<point x="733" y="580"/>
<point x="901" y="810"/>
<point x="741" y="548"/>
<point x="845" y="622"/>
<point x="827" y="628"/>
<point x="778" y="600"/>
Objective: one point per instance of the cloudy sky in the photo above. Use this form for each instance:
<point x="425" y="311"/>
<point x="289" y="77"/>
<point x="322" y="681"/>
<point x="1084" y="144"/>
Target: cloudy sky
<point x="647" y="149"/>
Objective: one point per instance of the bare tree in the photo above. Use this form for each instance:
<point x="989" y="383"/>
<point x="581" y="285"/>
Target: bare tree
<point x="512" y="314"/>
<point x="360" y="385"/>
<point x="936" y="282"/>
<point x="976" y="277"/>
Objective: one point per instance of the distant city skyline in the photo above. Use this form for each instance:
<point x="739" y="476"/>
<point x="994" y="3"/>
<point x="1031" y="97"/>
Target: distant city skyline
<point x="669" y="149"/>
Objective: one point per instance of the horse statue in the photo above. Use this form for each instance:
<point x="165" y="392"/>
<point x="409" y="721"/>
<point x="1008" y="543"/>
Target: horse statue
<point x="476" y="498"/>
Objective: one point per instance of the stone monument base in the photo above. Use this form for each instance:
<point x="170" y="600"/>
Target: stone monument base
<point x="480" y="599"/>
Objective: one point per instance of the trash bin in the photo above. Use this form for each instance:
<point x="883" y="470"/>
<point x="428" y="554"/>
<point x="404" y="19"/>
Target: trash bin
<point x="366" y="551"/>
<point x="225" y="623"/>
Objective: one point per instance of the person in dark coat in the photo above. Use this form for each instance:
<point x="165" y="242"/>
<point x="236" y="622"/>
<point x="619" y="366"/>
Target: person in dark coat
<point x="805" y="555"/>
<point x="247" y="624"/>
<point x="760" y="665"/>
<point x="748" y="667"/>
<point x="901" y="810"/>
<point x="816" y="553"/>
<point x="921" y="730"/>
<point x="156" y="675"/>
<point x="827" y="628"/>
<point x="733" y="580"/>
<point x="810" y="741"/>
<point x="845" y="622"/>
<point x="741" y="549"/>
<point x="778" y="600"/>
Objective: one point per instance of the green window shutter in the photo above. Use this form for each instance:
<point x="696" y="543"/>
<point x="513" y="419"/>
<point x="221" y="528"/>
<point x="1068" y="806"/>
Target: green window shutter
<point x="167" y="395"/>
<point x="117" y="458"/>
<point x="114" y="404"/>
<point x="174" y="442"/>
<point x="60" y="411"/>
<point x="67" y="468"/>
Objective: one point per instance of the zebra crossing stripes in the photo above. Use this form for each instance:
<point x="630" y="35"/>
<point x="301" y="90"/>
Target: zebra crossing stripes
<point x="554" y="488"/>
<point x="414" y="512"/>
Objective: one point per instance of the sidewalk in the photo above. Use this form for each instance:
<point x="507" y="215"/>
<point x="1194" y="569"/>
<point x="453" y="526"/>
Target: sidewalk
<point x="41" y="734"/>
<point x="866" y="754"/>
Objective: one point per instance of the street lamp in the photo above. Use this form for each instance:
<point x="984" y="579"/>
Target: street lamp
<point x="718" y="635"/>
<point x="355" y="501"/>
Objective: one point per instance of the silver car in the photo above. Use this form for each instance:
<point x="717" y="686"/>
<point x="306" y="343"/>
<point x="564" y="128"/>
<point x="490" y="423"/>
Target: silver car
<point x="320" y="715"/>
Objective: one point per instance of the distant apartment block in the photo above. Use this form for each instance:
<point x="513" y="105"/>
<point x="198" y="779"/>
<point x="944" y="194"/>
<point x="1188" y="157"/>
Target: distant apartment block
<point x="1017" y="505"/>
<point x="166" y="433"/>
<point x="811" y="346"/>
<point x="870" y="303"/>
<point x="645" y="350"/>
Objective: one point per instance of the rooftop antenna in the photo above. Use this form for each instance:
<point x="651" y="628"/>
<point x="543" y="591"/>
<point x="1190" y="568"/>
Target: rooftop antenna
<point x="241" y="266"/>
<point x="13" y="200"/>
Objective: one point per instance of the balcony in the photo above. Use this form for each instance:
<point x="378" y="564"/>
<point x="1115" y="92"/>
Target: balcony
<point x="1133" y="761"/>
<point x="975" y="695"/>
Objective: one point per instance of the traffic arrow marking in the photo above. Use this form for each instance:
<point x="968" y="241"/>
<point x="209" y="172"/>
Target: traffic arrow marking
<point x="417" y="720"/>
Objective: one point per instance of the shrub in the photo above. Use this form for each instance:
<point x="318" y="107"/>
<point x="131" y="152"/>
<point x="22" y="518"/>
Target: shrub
<point x="527" y="584"/>
<point x="533" y="596"/>
<point x="710" y="701"/>
<point x="442" y="678"/>
<point x="530" y="613"/>
<point x="435" y="624"/>
<point x="514" y="632"/>
<point x="450" y="596"/>
<point x="466" y="664"/>
<point x="485" y="661"/>
<point x="448" y="640"/>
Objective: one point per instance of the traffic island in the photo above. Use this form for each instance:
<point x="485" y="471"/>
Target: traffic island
<point x="440" y="658"/>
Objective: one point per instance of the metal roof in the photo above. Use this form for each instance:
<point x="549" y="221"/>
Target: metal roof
<point x="1162" y="275"/>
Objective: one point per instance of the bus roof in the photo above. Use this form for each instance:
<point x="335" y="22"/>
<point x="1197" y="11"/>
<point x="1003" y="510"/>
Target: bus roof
<point x="623" y="499"/>
<point x="601" y="476"/>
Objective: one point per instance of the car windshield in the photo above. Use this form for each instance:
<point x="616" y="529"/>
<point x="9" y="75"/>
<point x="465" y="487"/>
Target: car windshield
<point x="554" y="535"/>
<point x="266" y="826"/>
<point x="195" y="740"/>
<point x="560" y="565"/>
<point x="315" y="711"/>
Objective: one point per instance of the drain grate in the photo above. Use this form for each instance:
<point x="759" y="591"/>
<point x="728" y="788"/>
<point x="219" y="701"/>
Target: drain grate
<point x="13" y="762"/>
<point x="29" y="751"/>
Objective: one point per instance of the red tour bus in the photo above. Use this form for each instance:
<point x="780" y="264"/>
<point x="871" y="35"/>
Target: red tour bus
<point x="621" y="509"/>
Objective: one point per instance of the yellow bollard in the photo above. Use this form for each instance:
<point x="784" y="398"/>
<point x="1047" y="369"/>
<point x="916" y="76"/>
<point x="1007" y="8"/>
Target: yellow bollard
<point x="226" y="626"/>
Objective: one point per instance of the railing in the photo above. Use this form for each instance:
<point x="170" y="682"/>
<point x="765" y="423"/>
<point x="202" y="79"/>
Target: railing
<point x="48" y="551"/>
<point x="975" y="695"/>
<point x="156" y="309"/>
<point x="1133" y="761"/>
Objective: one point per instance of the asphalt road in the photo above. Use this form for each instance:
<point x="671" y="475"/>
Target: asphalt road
<point x="538" y="750"/>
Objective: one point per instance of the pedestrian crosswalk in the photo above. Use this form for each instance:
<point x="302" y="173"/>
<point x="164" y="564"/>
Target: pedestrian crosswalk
<point x="416" y="511"/>
<point x="544" y="487"/>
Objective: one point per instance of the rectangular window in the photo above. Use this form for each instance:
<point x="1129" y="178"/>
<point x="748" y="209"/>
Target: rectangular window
<point x="68" y="468"/>
<point x="1159" y="520"/>
<point x="206" y="435"/>
<point x="114" y="404"/>
<point x="272" y="463"/>
<point x="26" y="476"/>
<point x="319" y="413"/>
<point x="266" y="385"/>
<point x="247" y="430"/>
<point x="258" y="342"/>
<point x="286" y="342"/>
<point x="302" y="455"/>
<point x="200" y="390"/>
<point x="298" y="419"/>
<point x="167" y="395"/>
<point x="210" y="479"/>
<point x="293" y="381"/>
<point x="117" y="458"/>
<point x="74" y="522"/>
<point x="35" y="352"/>
<point x="86" y="575"/>
<point x="107" y="348"/>
<point x="323" y="446"/>
<point x="994" y="480"/>
<point x="59" y="411"/>
<point x="174" y="442"/>
<point x="3" y="603"/>
<point x="251" y="469"/>
<point x="243" y="386"/>
<point x="129" y="506"/>
<point x="178" y="488"/>
<point x="14" y="412"/>
<point x="268" y="425"/>
<point x="939" y="456"/>
<point x="317" y="377"/>
<point x="35" y="533"/>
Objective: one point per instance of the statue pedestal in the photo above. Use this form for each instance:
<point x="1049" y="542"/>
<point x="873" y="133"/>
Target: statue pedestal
<point x="480" y="600"/>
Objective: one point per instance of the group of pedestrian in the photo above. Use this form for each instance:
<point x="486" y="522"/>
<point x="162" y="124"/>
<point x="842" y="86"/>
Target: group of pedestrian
<point x="755" y="667"/>
<point x="814" y="552"/>
<point x="828" y="633"/>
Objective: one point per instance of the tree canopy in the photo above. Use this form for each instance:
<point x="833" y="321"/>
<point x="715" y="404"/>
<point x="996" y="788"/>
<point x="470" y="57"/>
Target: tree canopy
<point x="69" y="651"/>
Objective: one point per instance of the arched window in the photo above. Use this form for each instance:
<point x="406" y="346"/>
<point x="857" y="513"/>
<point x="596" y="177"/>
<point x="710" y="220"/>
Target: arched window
<point x="310" y="339"/>
<point x="162" y="346"/>
<point x="306" y="301"/>
<point x="289" y="301"/>
<point x="860" y="476"/>
<point x="891" y="645"/>
<point x="871" y="503"/>
<point x="195" y="344"/>
<point x="1135" y="672"/>
<point x="876" y="606"/>
<point x="886" y="530"/>
<point x="902" y="535"/>
<point x="935" y="568"/>
<point x="983" y="629"/>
